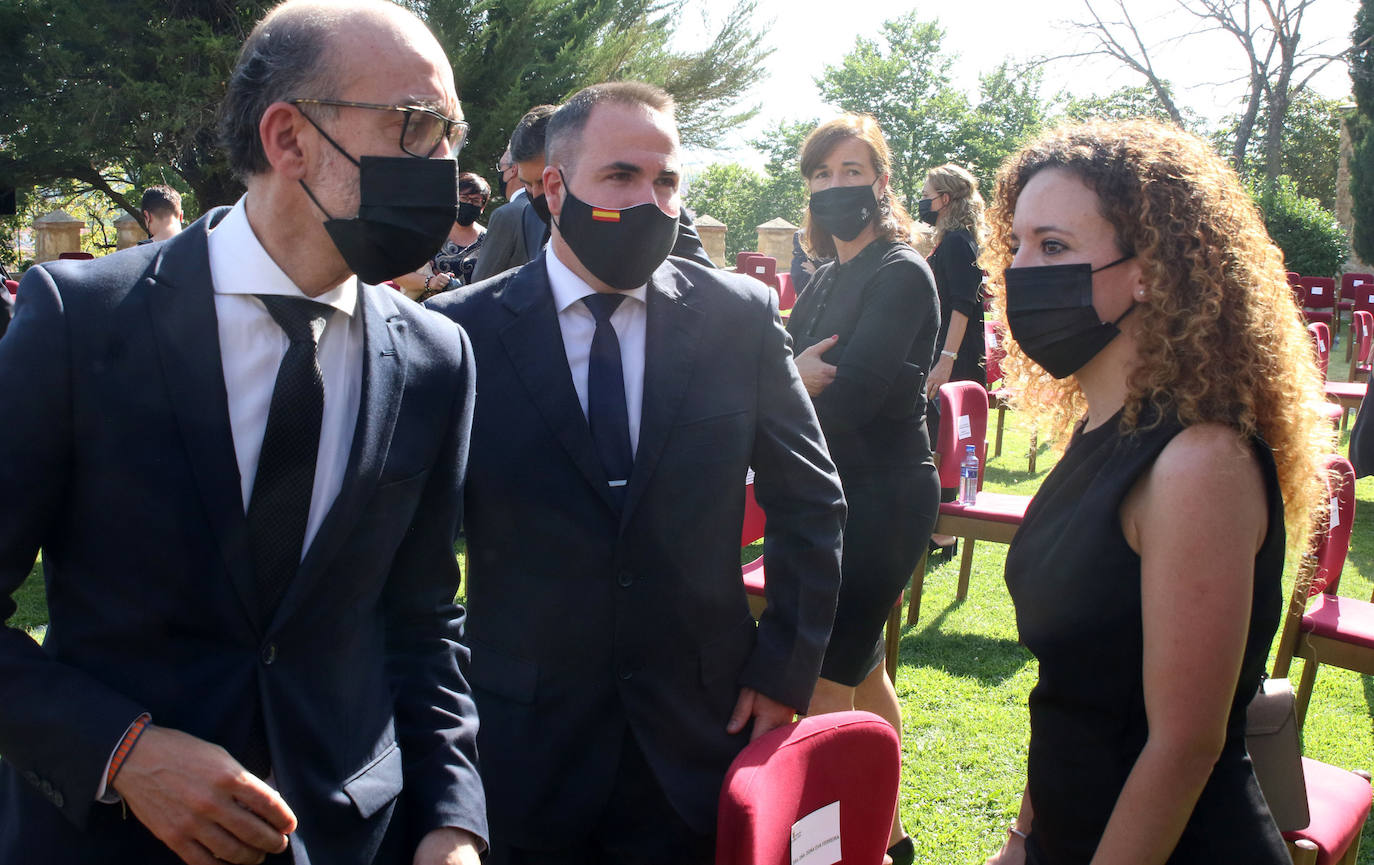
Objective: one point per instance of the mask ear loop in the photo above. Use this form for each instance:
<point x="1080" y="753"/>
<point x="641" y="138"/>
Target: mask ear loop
<point x="335" y="145"/>
<point x="1130" y="309"/>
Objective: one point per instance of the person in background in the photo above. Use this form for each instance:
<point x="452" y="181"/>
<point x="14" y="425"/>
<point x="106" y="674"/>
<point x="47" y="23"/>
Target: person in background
<point x="453" y="264"/>
<point x="865" y="330"/>
<point x="161" y="207"/>
<point x="1150" y="313"/>
<point x="803" y="265"/>
<point x="518" y="230"/>
<point x="508" y="177"/>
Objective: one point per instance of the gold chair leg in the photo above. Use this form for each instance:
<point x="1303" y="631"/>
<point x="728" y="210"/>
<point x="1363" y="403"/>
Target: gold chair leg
<point x="918" y="578"/>
<point x="965" y="568"/>
<point x="1305" y="683"/>
<point x="997" y="443"/>
<point x="1304" y="852"/>
<point x="1034" y="446"/>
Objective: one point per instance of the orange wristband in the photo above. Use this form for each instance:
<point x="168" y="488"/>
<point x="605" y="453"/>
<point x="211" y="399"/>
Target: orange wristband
<point x="125" y="746"/>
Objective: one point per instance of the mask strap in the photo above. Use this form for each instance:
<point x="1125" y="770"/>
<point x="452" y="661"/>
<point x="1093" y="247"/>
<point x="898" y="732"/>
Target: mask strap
<point x="314" y="199"/>
<point x="1115" y="263"/>
<point x="1130" y="309"/>
<point x="320" y="129"/>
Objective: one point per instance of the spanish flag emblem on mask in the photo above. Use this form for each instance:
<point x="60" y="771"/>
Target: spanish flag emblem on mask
<point x="600" y="215"/>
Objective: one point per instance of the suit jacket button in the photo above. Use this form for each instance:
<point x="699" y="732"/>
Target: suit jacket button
<point x="626" y="579"/>
<point x="269" y="653"/>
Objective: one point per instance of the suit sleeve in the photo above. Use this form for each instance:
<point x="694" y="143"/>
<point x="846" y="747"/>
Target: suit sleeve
<point x="798" y="488"/>
<point x="897" y="304"/>
<point x="436" y="719"/>
<point x="59" y="724"/>
<point x="499" y="247"/>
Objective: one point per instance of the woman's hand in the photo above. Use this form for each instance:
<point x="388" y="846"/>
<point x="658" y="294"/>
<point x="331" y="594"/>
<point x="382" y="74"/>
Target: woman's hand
<point x="1013" y="852"/>
<point x="939" y="375"/>
<point x="815" y="373"/>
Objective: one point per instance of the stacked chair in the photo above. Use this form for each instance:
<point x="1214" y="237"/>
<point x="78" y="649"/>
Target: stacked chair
<point x="1321" y="346"/>
<point x="1336" y="631"/>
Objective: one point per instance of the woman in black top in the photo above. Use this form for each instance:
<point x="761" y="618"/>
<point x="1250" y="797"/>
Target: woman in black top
<point x="1146" y="302"/>
<point x="864" y="333"/>
<point x="950" y="202"/>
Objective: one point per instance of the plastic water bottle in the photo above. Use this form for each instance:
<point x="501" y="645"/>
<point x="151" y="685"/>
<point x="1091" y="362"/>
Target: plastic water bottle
<point x="968" y="477"/>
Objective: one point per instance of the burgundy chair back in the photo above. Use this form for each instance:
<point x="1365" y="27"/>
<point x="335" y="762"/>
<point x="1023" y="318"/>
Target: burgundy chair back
<point x="994" y="350"/>
<point x="742" y="261"/>
<point x="754" y="520"/>
<point x="764" y="268"/>
<point x="1362" y="332"/>
<point x="963" y="421"/>
<point x="1332" y="542"/>
<point x="1358" y="287"/>
<point x="1321" y="344"/>
<point x="13" y="287"/>
<point x="1319" y="292"/>
<point x="827" y="782"/>
<point x="75" y="256"/>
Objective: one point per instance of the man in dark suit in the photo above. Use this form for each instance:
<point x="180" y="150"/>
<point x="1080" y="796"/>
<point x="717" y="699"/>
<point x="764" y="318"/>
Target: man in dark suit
<point x="244" y="470"/>
<point x="623" y="397"/>
<point x="517" y="231"/>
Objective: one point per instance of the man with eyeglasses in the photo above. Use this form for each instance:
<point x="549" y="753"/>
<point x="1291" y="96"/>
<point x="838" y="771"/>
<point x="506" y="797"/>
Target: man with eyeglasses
<point x="242" y="461"/>
<point x="517" y="231"/>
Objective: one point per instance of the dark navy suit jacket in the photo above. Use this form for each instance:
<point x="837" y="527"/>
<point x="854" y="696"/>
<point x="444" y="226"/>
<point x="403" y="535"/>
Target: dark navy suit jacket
<point x="120" y="458"/>
<point x="583" y="621"/>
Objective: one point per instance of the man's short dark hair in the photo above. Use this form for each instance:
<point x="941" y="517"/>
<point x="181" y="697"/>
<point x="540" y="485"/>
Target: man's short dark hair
<point x="565" y="128"/>
<point x="160" y="200"/>
<point x="283" y="57"/>
<point x="473" y="184"/>
<point x="527" y="141"/>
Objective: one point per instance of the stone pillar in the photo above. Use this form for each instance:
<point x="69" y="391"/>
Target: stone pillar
<point x="712" y="232"/>
<point x="55" y="233"/>
<point x="775" y="239"/>
<point x="129" y="232"/>
<point x="1344" y="206"/>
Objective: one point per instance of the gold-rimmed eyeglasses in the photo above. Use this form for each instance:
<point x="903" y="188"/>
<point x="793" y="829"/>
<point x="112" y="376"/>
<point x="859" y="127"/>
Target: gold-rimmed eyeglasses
<point x="422" y="132"/>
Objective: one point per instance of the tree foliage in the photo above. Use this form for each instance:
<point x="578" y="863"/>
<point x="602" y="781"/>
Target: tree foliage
<point x="1129" y="103"/>
<point x="1312" y="241"/>
<point x="115" y="96"/>
<point x="1362" y="131"/>
<point x="731" y="193"/>
<point x="1309" y="150"/>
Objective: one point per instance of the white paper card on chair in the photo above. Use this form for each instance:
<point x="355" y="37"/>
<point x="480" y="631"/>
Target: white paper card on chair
<point x="816" y="837"/>
<point x="965" y="428"/>
<point x="1316" y="289"/>
<point x="1335" y="513"/>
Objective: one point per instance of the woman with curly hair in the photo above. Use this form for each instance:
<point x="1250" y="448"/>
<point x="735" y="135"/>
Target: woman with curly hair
<point x="1148" y="308"/>
<point x="864" y="330"/>
<point x="950" y="203"/>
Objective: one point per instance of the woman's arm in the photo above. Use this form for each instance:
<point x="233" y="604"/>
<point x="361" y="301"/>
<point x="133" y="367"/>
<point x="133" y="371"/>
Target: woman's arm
<point x="1197" y="519"/>
<point x="1013" y="850"/>
<point x="944" y="362"/>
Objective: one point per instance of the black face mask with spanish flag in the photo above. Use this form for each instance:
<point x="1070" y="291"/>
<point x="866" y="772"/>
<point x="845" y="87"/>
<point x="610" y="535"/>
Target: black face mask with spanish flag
<point x="622" y="248"/>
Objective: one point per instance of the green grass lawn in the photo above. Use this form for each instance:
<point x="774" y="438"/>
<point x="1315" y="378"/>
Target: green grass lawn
<point x="963" y="682"/>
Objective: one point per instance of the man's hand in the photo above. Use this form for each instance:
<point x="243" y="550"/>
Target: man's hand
<point x="448" y="846"/>
<point x="766" y="712"/>
<point x="200" y="802"/>
<point x="815" y="373"/>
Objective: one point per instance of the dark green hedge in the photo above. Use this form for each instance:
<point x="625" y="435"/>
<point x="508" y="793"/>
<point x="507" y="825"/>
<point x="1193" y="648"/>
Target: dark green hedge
<point x="1313" y="243"/>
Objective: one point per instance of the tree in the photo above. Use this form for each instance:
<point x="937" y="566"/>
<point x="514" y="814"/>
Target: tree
<point x="1361" y="126"/>
<point x="905" y="84"/>
<point x="1309" y="150"/>
<point x="1009" y="111"/>
<point x="1128" y="103"/>
<point x="784" y="193"/>
<point x="731" y="193"/>
<point x="109" y="94"/>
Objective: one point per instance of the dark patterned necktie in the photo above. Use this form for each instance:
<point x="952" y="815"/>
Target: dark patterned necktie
<point x="280" y="503"/>
<point x="606" y="411"/>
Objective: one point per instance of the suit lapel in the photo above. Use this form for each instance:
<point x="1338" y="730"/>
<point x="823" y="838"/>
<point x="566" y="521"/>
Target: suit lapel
<point x="384" y="374"/>
<point x="534" y="344"/>
<point x="185" y="328"/>
<point x="671" y="341"/>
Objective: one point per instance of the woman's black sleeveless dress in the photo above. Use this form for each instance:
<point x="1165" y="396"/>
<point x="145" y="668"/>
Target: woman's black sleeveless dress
<point x="1076" y="586"/>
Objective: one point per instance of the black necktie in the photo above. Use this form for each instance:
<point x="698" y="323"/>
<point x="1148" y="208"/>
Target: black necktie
<point x="606" y="411"/>
<point x="280" y="503"/>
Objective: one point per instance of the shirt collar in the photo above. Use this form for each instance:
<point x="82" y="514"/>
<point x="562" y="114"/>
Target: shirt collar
<point x="240" y="265"/>
<point x="568" y="288"/>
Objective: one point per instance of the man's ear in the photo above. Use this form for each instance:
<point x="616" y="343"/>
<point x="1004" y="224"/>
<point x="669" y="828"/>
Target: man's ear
<point x="280" y="130"/>
<point x="554" y="190"/>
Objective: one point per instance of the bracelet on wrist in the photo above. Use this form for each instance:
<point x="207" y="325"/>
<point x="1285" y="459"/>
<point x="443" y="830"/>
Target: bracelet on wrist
<point x="949" y="354"/>
<point x="1012" y="830"/>
<point x="126" y="745"/>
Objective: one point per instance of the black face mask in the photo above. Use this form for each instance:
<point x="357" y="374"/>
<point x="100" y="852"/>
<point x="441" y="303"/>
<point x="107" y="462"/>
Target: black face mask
<point x="540" y="205"/>
<point x="622" y="248"/>
<point x="925" y="213"/>
<point x="406" y="207"/>
<point x="844" y="211"/>
<point x="467" y="213"/>
<point x="1051" y="315"/>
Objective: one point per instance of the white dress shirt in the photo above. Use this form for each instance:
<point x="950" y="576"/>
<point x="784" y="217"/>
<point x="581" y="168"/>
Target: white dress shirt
<point x="577" y="325"/>
<point x="252" y="345"/>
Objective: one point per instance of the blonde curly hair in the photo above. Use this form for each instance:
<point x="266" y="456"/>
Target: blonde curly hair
<point x="965" y="209"/>
<point x="1221" y="340"/>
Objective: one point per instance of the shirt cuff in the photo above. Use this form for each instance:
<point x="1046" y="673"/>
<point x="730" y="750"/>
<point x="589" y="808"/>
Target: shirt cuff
<point x="105" y="794"/>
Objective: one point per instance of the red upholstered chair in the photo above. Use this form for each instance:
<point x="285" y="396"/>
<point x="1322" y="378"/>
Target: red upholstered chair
<point x="1319" y="300"/>
<point x="787" y="293"/>
<point x="1358" y="288"/>
<point x="75" y="256"/>
<point x="742" y="261"/>
<point x="1339" y="802"/>
<point x="1362" y="339"/>
<point x="1333" y="630"/>
<point x="791" y="781"/>
<point x="1321" y="343"/>
<point x="995" y="516"/>
<point x="13" y="287"/>
<point x="764" y="268"/>
<point x="998" y="397"/>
